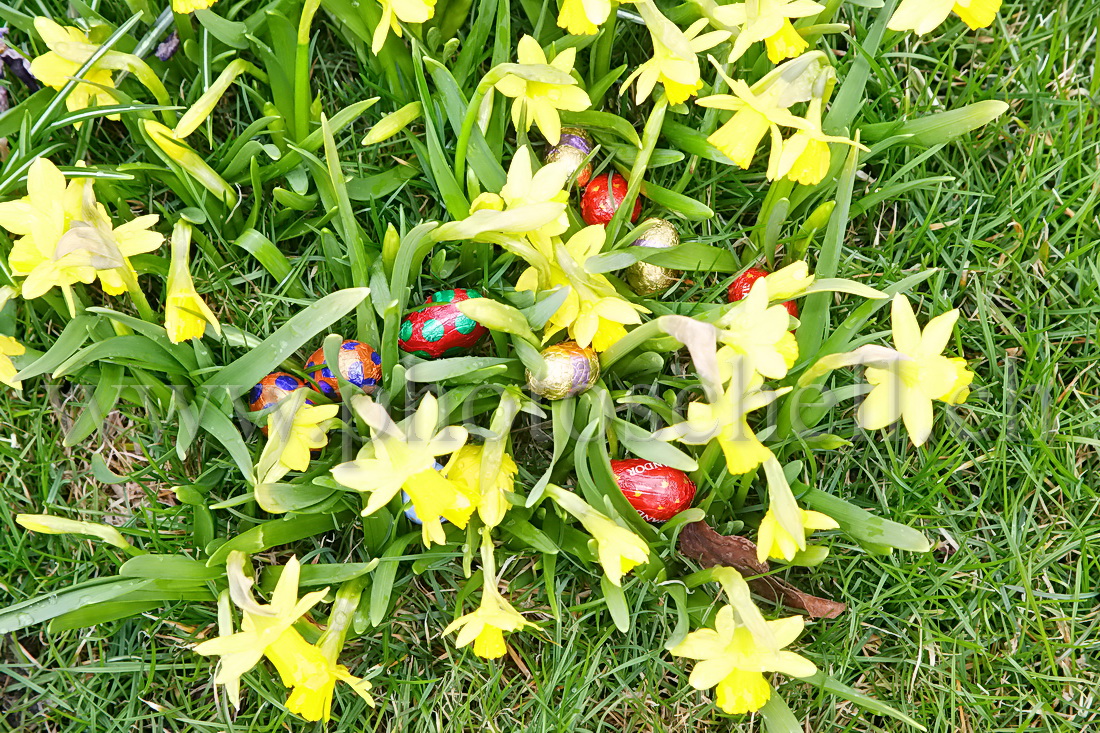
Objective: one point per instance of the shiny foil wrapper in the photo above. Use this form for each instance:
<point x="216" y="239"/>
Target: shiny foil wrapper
<point x="574" y="158"/>
<point x="656" y="491"/>
<point x="577" y="138"/>
<point x="647" y="279"/>
<point x="570" y="370"/>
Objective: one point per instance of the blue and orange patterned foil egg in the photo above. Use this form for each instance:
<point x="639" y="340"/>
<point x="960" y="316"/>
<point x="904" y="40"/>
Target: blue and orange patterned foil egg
<point x="272" y="389"/>
<point x="438" y="328"/>
<point x="359" y="364"/>
<point x="570" y="370"/>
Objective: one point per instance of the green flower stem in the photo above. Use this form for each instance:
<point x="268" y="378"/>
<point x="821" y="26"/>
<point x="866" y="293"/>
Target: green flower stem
<point x="650" y="135"/>
<point x="601" y="51"/>
<point x="340" y="618"/>
<point x="132" y="286"/>
<point x="301" y="71"/>
<point x="468" y="122"/>
<point x="706" y="461"/>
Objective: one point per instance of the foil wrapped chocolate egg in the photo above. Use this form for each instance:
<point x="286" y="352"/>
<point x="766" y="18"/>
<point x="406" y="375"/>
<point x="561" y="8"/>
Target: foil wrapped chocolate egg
<point x="658" y="492"/>
<point x="742" y="285"/>
<point x="574" y="158"/>
<point x="438" y="328"/>
<point x="602" y="198"/>
<point x="575" y="137"/>
<point x="647" y="279"/>
<point x="359" y="364"/>
<point x="272" y="389"/>
<point x="410" y="511"/>
<point x="570" y="370"/>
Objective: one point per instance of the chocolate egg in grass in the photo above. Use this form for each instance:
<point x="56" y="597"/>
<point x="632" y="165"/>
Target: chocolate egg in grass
<point x="438" y="328"/>
<point x="647" y="279"/>
<point x="570" y="370"/>
<point x="359" y="364"/>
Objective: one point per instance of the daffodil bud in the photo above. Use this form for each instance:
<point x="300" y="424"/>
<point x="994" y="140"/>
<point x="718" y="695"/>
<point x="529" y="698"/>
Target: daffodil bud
<point x="47" y="524"/>
<point x="184" y="156"/>
<point x="205" y="104"/>
<point x="394" y="123"/>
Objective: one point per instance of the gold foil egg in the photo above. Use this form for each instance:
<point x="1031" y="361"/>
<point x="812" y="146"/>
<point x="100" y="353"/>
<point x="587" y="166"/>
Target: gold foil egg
<point x="570" y="370"/>
<point x="573" y="157"/>
<point x="647" y="279"/>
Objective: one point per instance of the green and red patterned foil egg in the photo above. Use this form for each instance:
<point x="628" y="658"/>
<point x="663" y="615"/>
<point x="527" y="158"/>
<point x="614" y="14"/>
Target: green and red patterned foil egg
<point x="658" y="492"/>
<point x="570" y="370"/>
<point x="602" y="198"/>
<point x="272" y="389"/>
<point x="742" y="286"/>
<point x="359" y="364"/>
<point x="438" y="328"/>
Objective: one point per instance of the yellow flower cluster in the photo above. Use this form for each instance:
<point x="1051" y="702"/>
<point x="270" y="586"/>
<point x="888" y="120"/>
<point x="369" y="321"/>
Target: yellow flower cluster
<point x="66" y="236"/>
<point x="268" y="630"/>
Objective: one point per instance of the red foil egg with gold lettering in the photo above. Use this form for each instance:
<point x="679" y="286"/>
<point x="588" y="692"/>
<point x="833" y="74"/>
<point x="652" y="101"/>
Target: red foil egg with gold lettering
<point x="742" y="285"/>
<point x="658" y="492"/>
<point x="602" y="198"/>
<point x="359" y="364"/>
<point x="438" y="328"/>
<point x="570" y="370"/>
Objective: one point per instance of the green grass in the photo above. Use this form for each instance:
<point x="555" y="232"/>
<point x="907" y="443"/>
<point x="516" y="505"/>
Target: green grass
<point x="996" y="630"/>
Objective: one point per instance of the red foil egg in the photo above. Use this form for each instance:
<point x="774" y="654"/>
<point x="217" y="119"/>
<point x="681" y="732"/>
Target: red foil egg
<point x="438" y="328"/>
<point x="602" y="198"/>
<point x="658" y="492"/>
<point x="739" y="288"/>
<point x="359" y="364"/>
<point x="272" y="389"/>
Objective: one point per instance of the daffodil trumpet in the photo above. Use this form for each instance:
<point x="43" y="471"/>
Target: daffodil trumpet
<point x="618" y="549"/>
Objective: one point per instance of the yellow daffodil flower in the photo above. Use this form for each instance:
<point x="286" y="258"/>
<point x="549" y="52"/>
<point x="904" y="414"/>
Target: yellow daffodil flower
<point x="312" y="675"/>
<point x="68" y="237"/>
<point x="111" y="247"/>
<point x="782" y="532"/>
<point x="584" y="17"/>
<point x="924" y="16"/>
<point x="185" y="312"/>
<point x="725" y="420"/>
<point x="906" y="379"/>
<point x="397" y="459"/>
<point x="54" y="69"/>
<point x="184" y="7"/>
<point x="485" y="627"/>
<point x="527" y="191"/>
<point x="395" y="12"/>
<point x="763" y="108"/>
<point x="466" y="467"/>
<point x="540" y="89"/>
<point x="619" y="550"/>
<point x="262" y="626"/>
<point x="768" y="21"/>
<point x="593" y="313"/>
<point x="759" y="332"/>
<point x="675" y="62"/>
<point x="732" y="658"/>
<point x="268" y="630"/>
<point x="308" y="432"/>
<point x="9" y="347"/>
<point x="40" y="219"/>
<point x="805" y="156"/>
<point x="789" y="282"/>
<point x="70" y="49"/>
